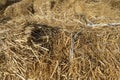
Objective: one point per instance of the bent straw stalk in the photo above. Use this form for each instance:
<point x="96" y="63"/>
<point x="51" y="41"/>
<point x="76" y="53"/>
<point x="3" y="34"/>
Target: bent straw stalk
<point x="103" y="24"/>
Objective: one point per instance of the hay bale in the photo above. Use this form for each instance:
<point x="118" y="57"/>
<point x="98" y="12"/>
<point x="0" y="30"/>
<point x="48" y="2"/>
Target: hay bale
<point x="43" y="52"/>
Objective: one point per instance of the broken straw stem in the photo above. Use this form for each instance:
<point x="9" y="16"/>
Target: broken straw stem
<point x="72" y="47"/>
<point x="103" y="24"/>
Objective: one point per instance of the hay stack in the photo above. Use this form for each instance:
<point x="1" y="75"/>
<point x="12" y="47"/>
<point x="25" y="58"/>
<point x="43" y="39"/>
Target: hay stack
<point x="43" y="52"/>
<point x="30" y="50"/>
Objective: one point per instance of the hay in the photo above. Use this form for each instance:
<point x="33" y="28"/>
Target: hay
<point x="6" y="3"/>
<point x="42" y="52"/>
<point x="21" y="8"/>
<point x="50" y="40"/>
<point x="65" y="13"/>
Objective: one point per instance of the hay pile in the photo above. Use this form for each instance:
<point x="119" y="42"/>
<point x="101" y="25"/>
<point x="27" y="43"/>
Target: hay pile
<point x="38" y="43"/>
<point x="66" y="13"/>
<point x="42" y="52"/>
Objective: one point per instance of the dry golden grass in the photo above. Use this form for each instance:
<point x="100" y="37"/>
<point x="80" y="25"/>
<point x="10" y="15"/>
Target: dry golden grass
<point x="42" y="52"/>
<point x="54" y="42"/>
